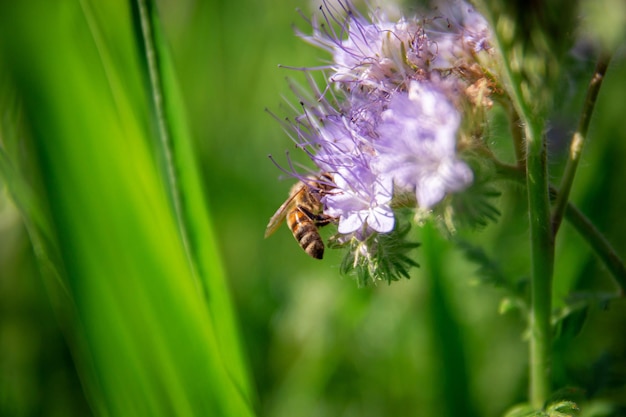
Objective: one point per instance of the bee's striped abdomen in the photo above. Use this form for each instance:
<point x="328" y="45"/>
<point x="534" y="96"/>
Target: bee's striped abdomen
<point x="305" y="232"/>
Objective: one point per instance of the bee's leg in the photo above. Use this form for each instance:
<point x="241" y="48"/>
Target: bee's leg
<point x="318" y="219"/>
<point x="308" y="213"/>
<point x="323" y="219"/>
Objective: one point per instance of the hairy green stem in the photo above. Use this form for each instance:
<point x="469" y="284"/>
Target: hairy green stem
<point x="517" y="134"/>
<point x="541" y="237"/>
<point x="577" y="143"/>
<point x="542" y="255"/>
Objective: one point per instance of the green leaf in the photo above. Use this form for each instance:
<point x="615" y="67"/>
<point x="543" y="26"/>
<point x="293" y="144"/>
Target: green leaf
<point x="563" y="408"/>
<point x="380" y="257"/>
<point x="137" y="279"/>
<point x="524" y="410"/>
<point x="476" y="206"/>
<point x="489" y="271"/>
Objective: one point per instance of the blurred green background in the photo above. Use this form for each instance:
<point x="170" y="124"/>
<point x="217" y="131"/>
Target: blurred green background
<point x="316" y="345"/>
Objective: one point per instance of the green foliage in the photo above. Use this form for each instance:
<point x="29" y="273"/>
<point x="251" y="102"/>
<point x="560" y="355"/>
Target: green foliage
<point x="489" y="272"/>
<point x="563" y="408"/>
<point x="532" y="41"/>
<point x="148" y="318"/>
<point x="565" y="402"/>
<point x="524" y="410"/>
<point x="143" y="301"/>
<point x="475" y="206"/>
<point x="380" y="257"/>
<point x="572" y="316"/>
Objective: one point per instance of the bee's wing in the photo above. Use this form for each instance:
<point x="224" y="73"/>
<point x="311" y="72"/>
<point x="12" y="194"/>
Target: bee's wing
<point x="278" y="217"/>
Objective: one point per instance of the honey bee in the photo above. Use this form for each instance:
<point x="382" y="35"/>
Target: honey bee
<point x="303" y="211"/>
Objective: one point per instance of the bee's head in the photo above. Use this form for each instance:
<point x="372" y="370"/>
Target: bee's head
<point x="321" y="184"/>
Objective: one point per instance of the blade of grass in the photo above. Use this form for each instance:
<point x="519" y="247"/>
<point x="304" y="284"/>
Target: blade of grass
<point x="145" y="339"/>
<point x="177" y="153"/>
<point x="447" y="338"/>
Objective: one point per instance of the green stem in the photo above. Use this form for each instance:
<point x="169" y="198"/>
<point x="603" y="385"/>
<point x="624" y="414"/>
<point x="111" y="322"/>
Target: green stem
<point x="594" y="238"/>
<point x="600" y="245"/>
<point x="578" y="141"/>
<point x="542" y="255"/>
<point x="541" y="238"/>
<point x="517" y="134"/>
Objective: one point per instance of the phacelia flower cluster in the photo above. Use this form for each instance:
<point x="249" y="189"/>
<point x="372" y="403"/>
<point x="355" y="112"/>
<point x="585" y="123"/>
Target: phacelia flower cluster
<point x="389" y="121"/>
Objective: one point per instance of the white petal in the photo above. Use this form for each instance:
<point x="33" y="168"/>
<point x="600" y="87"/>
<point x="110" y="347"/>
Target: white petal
<point x="429" y="192"/>
<point x="350" y="223"/>
<point x="381" y="219"/>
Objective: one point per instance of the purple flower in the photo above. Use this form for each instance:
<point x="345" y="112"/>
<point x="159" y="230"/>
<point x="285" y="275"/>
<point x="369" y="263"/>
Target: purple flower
<point x="386" y="120"/>
<point x="343" y="147"/>
<point x="465" y="30"/>
<point x="377" y="55"/>
<point x="417" y="145"/>
<point x="337" y="142"/>
<point x="361" y="201"/>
